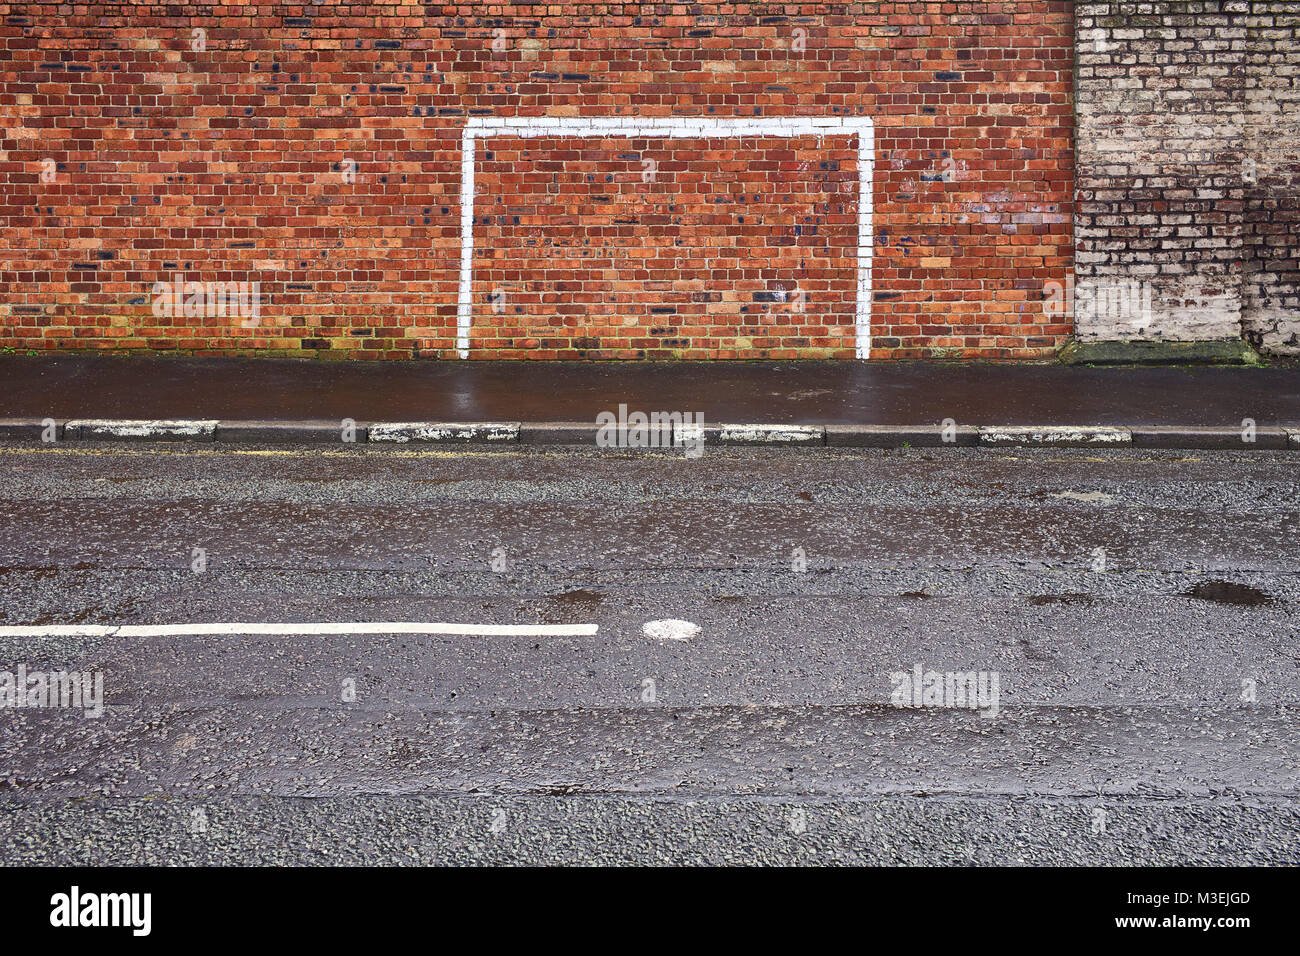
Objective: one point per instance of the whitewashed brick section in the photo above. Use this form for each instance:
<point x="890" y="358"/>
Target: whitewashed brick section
<point x="1188" y="167"/>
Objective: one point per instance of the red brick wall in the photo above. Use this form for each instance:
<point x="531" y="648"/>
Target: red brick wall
<point x="315" y="148"/>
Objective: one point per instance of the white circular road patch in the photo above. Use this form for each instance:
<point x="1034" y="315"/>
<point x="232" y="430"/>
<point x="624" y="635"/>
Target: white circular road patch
<point x="670" y="630"/>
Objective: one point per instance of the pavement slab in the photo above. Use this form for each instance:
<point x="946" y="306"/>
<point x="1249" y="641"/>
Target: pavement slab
<point x="810" y="393"/>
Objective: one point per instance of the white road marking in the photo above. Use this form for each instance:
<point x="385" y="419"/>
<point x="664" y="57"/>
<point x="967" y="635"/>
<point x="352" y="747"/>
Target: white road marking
<point x="670" y="630"/>
<point x="306" y="629"/>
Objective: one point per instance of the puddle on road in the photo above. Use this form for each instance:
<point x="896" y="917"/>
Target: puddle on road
<point x="1229" y="592"/>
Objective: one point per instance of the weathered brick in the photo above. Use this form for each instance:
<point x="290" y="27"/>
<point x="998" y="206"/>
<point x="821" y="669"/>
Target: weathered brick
<point x="315" y="150"/>
<point x="1189" y="169"/>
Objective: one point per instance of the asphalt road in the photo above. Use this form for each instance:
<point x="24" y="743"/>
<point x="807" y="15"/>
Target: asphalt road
<point x="1137" y="610"/>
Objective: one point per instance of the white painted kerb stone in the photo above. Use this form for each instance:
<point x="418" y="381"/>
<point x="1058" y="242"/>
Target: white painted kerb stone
<point x="752" y="434"/>
<point x="141" y="428"/>
<point x="402" y="432"/>
<point x="1054" y="435"/>
<point x="767" y="434"/>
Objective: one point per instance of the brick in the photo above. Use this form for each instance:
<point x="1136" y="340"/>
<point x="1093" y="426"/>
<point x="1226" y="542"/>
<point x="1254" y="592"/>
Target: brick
<point x="312" y="207"/>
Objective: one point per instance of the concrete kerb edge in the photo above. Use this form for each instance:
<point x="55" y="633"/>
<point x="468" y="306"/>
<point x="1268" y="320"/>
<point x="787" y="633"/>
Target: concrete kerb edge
<point x="1190" y="438"/>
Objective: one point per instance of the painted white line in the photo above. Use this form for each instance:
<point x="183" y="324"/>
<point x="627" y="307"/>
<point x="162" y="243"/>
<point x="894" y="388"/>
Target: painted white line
<point x="403" y="432"/>
<point x="464" y="300"/>
<point x="299" y="630"/>
<point x="682" y="126"/>
<point x="866" y="240"/>
<point x="669" y="126"/>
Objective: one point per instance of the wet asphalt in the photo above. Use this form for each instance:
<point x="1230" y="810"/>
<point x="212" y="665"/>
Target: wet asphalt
<point x="831" y="393"/>
<point x="1139" y="610"/>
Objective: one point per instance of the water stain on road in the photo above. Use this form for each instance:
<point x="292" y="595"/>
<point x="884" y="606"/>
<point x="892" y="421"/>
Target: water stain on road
<point x="1229" y="592"/>
<point x="571" y="607"/>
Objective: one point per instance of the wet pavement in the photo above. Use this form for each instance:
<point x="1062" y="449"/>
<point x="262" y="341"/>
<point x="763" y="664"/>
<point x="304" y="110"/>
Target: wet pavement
<point x="837" y="393"/>
<point x="1138" y="608"/>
